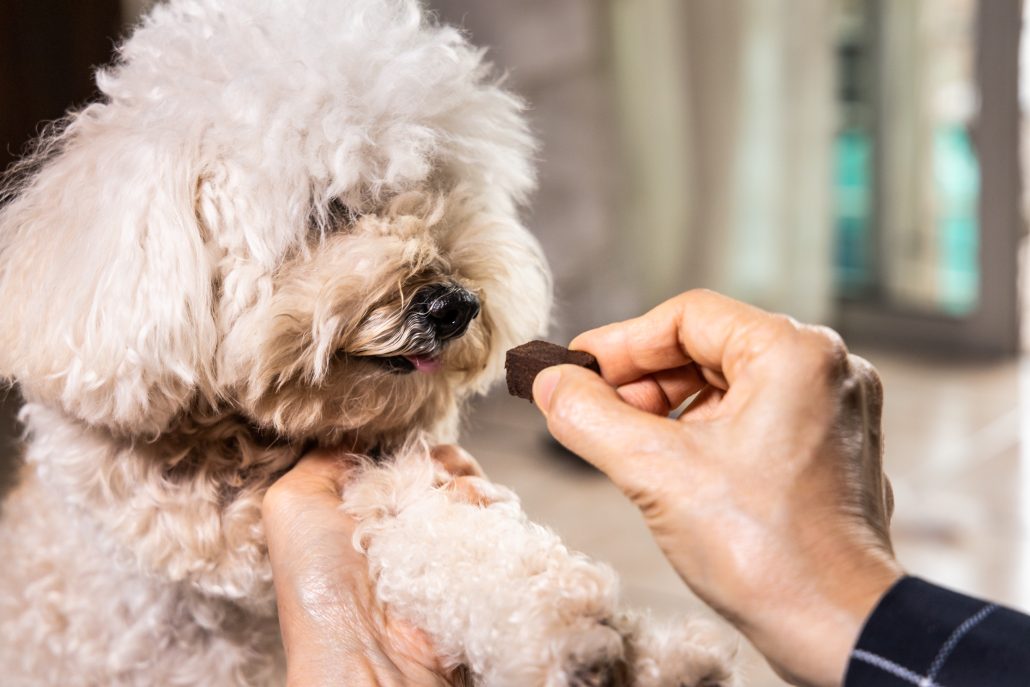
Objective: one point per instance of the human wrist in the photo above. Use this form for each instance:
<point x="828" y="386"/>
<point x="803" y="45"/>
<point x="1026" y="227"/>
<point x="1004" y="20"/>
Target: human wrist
<point x="808" y="631"/>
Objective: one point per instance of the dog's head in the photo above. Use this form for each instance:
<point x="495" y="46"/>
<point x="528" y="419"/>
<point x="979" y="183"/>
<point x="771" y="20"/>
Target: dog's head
<point x="306" y="211"/>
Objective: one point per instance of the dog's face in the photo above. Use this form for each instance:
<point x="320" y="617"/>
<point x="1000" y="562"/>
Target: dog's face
<point x="302" y="211"/>
<point x="383" y="317"/>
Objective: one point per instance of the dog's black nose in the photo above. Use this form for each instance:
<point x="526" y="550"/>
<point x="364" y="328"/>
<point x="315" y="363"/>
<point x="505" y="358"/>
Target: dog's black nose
<point x="449" y="308"/>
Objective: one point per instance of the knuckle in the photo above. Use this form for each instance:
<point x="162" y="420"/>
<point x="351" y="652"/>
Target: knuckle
<point x="783" y="330"/>
<point x="697" y="293"/>
<point x="864" y="369"/>
<point x="465" y="464"/>
<point x="814" y="351"/>
<point x="825" y="346"/>
<point x="783" y="325"/>
<point x="867" y="375"/>
<point x="775" y="334"/>
<point x="827" y="337"/>
<point x="446" y="455"/>
<point x="888" y="497"/>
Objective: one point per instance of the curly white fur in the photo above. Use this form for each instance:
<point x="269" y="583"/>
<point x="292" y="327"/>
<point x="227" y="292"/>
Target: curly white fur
<point x="201" y="275"/>
<point x="493" y="620"/>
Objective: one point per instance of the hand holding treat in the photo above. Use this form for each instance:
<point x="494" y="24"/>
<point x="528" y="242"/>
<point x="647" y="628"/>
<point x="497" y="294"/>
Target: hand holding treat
<point x="767" y="494"/>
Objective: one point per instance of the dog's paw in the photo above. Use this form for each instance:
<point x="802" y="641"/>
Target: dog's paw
<point x="593" y="657"/>
<point x="604" y="674"/>
<point x="677" y="654"/>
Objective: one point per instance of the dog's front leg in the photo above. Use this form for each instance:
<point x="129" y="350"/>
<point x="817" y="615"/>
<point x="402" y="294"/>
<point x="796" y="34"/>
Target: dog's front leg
<point x="492" y="590"/>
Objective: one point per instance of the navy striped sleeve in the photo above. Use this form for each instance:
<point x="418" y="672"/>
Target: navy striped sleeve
<point x="921" y="634"/>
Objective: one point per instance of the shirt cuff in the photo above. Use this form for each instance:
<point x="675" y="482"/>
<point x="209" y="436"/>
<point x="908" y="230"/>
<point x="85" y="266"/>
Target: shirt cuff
<point x="921" y="634"/>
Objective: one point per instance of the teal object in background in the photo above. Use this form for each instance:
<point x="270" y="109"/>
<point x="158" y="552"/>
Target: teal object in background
<point x="956" y="181"/>
<point x="853" y="195"/>
<point x="956" y="197"/>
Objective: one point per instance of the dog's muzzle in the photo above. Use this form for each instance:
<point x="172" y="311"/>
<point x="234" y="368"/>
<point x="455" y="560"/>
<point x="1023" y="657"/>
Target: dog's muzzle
<point x="437" y="314"/>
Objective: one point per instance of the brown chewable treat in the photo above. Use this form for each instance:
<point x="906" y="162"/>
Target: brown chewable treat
<point x="523" y="363"/>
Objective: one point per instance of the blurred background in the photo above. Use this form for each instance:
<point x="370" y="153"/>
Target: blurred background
<point x="851" y="162"/>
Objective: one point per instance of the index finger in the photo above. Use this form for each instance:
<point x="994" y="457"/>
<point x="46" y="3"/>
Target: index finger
<point x="712" y="330"/>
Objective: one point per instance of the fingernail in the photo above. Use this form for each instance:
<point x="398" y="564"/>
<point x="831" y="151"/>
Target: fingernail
<point x="543" y="387"/>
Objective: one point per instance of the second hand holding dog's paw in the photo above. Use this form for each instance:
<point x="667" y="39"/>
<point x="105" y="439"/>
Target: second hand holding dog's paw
<point x="331" y="623"/>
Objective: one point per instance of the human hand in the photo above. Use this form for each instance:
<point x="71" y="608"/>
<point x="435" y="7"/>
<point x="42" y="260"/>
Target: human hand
<point x="767" y="495"/>
<point x="334" y="631"/>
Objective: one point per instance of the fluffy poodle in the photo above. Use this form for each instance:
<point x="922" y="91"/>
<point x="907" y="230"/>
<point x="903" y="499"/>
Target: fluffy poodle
<point x="283" y="224"/>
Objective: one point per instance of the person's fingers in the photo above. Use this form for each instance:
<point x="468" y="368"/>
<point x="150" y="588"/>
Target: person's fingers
<point x="627" y="351"/>
<point x="662" y="392"/>
<point x="716" y="332"/>
<point x="468" y="489"/>
<point x="588" y="417"/>
<point x="456" y="460"/>
<point x="715" y="378"/>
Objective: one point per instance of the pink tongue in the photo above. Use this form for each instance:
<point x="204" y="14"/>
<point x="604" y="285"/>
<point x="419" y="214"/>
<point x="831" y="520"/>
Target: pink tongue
<point x="424" y="363"/>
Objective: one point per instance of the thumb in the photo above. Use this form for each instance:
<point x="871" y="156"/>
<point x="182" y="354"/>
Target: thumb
<point x="588" y="417"/>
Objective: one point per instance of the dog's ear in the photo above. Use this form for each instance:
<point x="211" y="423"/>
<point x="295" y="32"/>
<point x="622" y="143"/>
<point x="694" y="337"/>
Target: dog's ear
<point x="105" y="285"/>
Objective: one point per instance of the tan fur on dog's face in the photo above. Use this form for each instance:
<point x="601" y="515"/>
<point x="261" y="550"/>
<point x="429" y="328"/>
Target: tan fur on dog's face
<point x="312" y="355"/>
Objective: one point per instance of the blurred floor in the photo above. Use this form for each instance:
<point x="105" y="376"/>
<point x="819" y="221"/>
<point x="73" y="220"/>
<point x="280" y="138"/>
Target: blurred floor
<point x="954" y="453"/>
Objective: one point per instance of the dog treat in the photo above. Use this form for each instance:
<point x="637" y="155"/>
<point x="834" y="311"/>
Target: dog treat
<point x="523" y="363"/>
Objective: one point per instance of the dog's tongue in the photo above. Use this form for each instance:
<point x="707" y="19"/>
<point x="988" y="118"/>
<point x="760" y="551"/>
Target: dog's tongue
<point x="424" y="363"/>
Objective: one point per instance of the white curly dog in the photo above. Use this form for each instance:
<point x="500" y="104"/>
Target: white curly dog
<point x="283" y="224"/>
